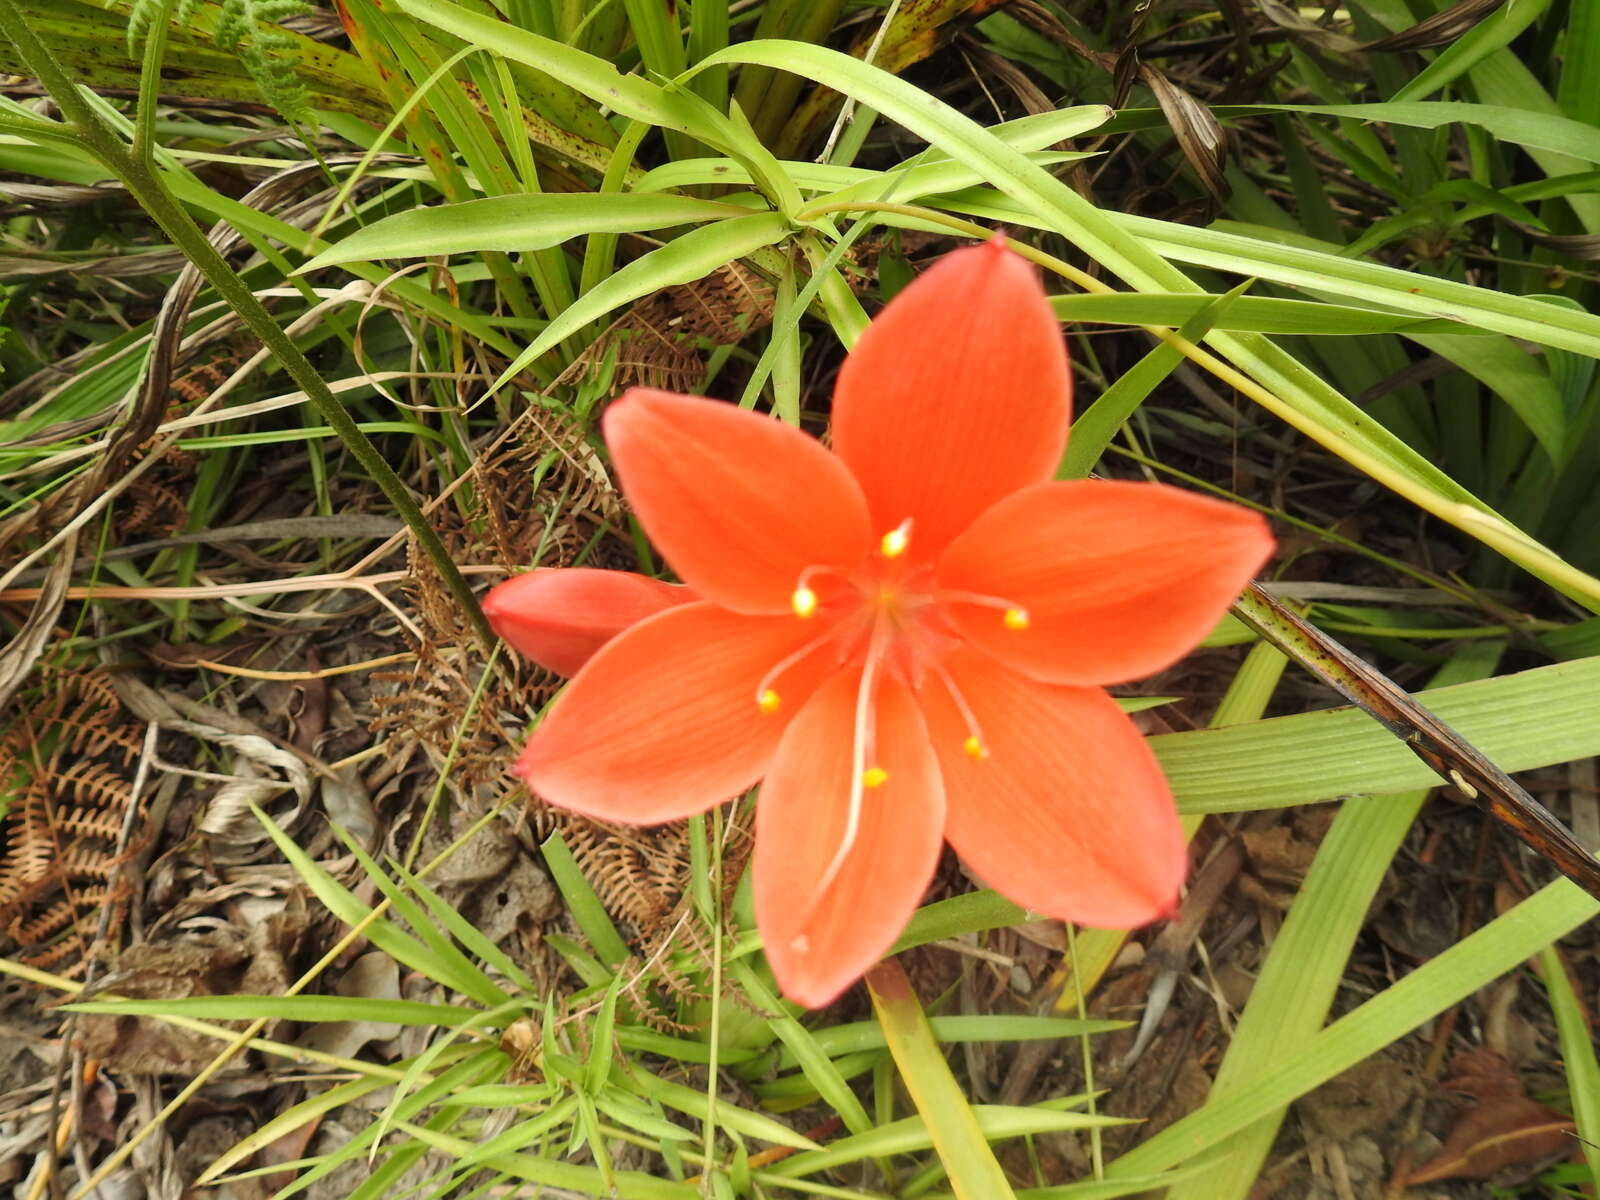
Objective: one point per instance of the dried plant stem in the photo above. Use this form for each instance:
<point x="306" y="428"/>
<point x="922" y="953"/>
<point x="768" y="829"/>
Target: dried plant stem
<point x="85" y="127"/>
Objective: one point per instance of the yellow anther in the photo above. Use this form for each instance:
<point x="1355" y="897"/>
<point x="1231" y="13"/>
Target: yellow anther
<point x="896" y="540"/>
<point x="769" y="702"/>
<point x="874" y="777"/>
<point x="804" y="601"/>
<point x="975" y="748"/>
<point x="1016" y="618"/>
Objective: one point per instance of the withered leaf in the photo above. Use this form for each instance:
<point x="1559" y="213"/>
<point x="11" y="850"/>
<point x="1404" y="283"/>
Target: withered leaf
<point x="218" y="962"/>
<point x="1503" y="1128"/>
<point x="1199" y="133"/>
<point x="1440" y="29"/>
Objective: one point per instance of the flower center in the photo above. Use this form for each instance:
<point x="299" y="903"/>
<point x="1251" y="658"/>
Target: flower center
<point x="886" y="615"/>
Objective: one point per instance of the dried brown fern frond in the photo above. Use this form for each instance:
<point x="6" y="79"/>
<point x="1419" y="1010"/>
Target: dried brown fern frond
<point x="658" y="342"/>
<point x="152" y="508"/>
<point x="67" y="756"/>
<point x="503" y="519"/>
<point x="543" y="496"/>
<point x="722" y="308"/>
<point x="642" y="877"/>
<point x="209" y="368"/>
<point x="639" y="874"/>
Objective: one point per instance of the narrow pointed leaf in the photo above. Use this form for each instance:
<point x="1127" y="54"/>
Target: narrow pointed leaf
<point x="534" y="221"/>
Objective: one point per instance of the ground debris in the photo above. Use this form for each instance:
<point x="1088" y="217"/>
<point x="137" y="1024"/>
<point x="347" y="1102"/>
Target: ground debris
<point x="221" y="961"/>
<point x="1502" y="1127"/>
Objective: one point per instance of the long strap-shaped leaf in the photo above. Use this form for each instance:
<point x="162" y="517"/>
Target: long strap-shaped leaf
<point x="975" y="1174"/>
<point x="1449" y="977"/>
<point x="1295" y="987"/>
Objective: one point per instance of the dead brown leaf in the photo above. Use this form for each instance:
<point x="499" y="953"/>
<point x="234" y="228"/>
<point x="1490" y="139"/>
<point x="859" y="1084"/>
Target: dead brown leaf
<point x="1200" y="135"/>
<point x="1277" y="855"/>
<point x="1439" y="29"/>
<point x="218" y="962"/>
<point x="1505" y="1127"/>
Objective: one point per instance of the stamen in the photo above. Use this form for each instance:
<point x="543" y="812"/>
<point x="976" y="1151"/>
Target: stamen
<point x="874" y="777"/>
<point x="768" y="699"/>
<point x="896" y="540"/>
<point x="975" y="746"/>
<point x="1014" y="615"/>
<point x="803" y="600"/>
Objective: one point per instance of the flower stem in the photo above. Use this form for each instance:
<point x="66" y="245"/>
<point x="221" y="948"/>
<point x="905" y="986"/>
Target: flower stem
<point x="132" y="166"/>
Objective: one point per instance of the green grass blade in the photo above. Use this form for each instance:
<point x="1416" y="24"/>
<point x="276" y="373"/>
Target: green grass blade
<point x="952" y="1127"/>
<point x="1246" y="314"/>
<point x="1302" y="264"/>
<point x="816" y="1064"/>
<point x="531" y="221"/>
<point x="602" y="1039"/>
<point x="519" y="1135"/>
<point x="582" y="902"/>
<point x="1483" y="39"/>
<point x="708" y="33"/>
<point x="693" y="1102"/>
<point x="1577" y="1053"/>
<point x="462" y="1074"/>
<point x="1448" y="978"/>
<point x="486" y="990"/>
<point x="686" y="258"/>
<point x="631" y="95"/>
<point x="1579" y="90"/>
<point x="312" y="1108"/>
<point x="1098" y="424"/>
<point x="1296" y="986"/>
<point x="1523" y="127"/>
<point x="587" y="1181"/>
<point x="342" y="903"/>
<point x="837" y="1040"/>
<point x="972" y="912"/>
<point x="465" y="932"/>
<point x="1530" y="719"/>
<point x="1517" y="378"/>
<point x="913" y="1134"/>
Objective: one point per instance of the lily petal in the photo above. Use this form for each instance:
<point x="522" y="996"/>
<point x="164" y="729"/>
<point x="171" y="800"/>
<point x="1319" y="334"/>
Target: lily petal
<point x="664" y="722"/>
<point x="819" y="944"/>
<point x="1068" y="813"/>
<point x="559" y="616"/>
<point x="739" y="504"/>
<point x="1117" y="579"/>
<point x="957" y="394"/>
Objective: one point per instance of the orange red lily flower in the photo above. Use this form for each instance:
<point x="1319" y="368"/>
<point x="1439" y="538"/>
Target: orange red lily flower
<point x="906" y="636"/>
